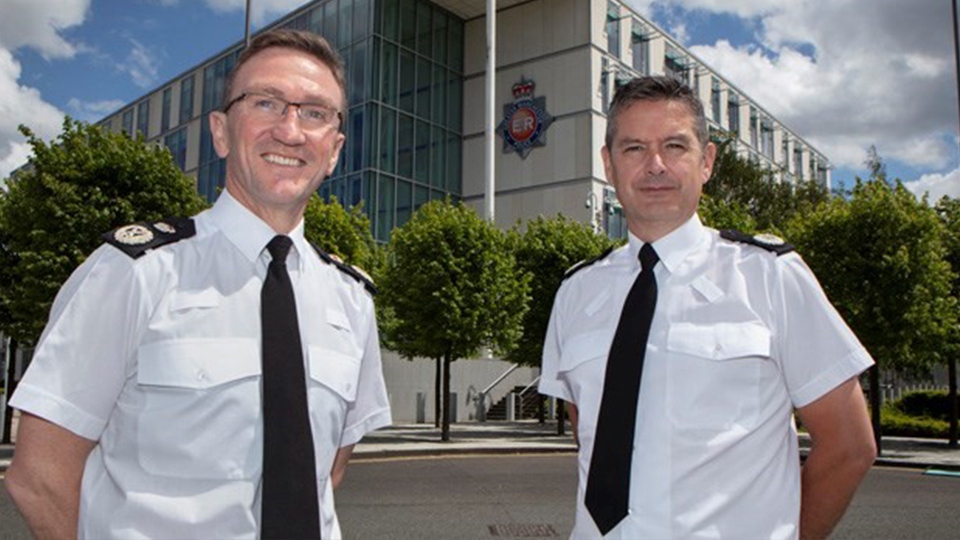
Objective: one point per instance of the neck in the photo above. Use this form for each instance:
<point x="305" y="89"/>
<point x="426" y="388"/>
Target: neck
<point x="282" y="219"/>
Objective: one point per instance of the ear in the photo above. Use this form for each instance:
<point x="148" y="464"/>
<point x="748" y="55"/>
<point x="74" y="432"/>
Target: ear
<point x="218" y="129"/>
<point x="607" y="166"/>
<point x="335" y="152"/>
<point x="709" y="156"/>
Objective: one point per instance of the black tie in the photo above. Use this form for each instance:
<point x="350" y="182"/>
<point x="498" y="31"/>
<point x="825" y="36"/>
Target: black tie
<point x="290" y="508"/>
<point x="608" y="484"/>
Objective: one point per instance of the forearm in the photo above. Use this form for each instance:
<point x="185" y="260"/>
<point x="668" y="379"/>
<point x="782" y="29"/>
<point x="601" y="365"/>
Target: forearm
<point x="829" y="481"/>
<point x="339" y="469"/>
<point x="44" y="477"/>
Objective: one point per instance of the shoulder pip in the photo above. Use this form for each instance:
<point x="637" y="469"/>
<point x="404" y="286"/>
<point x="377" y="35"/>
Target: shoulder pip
<point x="766" y="241"/>
<point x="138" y="238"/>
<point x="349" y="269"/>
<point x="585" y="263"/>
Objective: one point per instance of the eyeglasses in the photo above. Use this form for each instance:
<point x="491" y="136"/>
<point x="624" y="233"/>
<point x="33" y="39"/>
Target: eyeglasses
<point x="313" y="116"/>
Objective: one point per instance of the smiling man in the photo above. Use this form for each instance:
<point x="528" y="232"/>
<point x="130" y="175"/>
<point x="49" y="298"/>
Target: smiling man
<point x="208" y="377"/>
<point x="686" y="352"/>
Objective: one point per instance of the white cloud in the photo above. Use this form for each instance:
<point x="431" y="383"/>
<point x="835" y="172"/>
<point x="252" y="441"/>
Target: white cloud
<point x="936" y="186"/>
<point x="880" y="72"/>
<point x="29" y="23"/>
<point x="141" y="64"/>
<point x="262" y="9"/>
<point x="92" y="111"/>
<point x="21" y="105"/>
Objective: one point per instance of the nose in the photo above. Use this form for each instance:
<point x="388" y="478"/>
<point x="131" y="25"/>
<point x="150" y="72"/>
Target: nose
<point x="655" y="165"/>
<point x="287" y="129"/>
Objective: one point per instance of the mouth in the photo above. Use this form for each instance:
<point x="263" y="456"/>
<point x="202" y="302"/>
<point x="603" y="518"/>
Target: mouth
<point x="283" y="161"/>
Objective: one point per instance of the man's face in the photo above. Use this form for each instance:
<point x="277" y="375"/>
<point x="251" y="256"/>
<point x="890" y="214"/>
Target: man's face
<point x="657" y="166"/>
<point x="273" y="164"/>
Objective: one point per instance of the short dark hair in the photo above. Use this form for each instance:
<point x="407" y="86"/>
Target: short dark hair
<point x="299" y="40"/>
<point x="656" y="88"/>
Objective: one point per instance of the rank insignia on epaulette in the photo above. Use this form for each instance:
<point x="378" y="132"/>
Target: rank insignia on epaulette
<point x="349" y="269"/>
<point x="767" y="241"/>
<point x="138" y="238"/>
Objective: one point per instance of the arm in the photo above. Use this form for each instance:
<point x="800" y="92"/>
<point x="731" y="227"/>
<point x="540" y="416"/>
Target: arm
<point x="44" y="478"/>
<point x="339" y="469"/>
<point x="842" y="452"/>
<point x="572" y="413"/>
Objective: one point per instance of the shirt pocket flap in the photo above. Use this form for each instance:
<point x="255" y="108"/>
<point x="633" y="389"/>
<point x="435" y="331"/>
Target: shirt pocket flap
<point x="206" y="298"/>
<point x="338" y="319"/>
<point x="719" y="341"/>
<point x="198" y="363"/>
<point x="582" y="347"/>
<point x="337" y="371"/>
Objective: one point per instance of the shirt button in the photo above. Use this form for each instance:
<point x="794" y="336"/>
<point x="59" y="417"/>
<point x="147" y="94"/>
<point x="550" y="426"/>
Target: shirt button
<point x="717" y="350"/>
<point x="201" y="375"/>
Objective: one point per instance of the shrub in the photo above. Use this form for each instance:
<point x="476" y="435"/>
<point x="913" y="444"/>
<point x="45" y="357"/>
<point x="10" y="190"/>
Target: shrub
<point x="917" y="414"/>
<point x="929" y="403"/>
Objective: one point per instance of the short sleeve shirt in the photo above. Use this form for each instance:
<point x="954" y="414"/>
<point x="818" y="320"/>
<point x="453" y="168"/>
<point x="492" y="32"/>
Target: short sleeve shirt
<point x="158" y="360"/>
<point x="740" y="337"/>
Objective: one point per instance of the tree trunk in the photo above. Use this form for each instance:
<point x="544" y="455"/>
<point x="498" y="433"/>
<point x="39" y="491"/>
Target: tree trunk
<point x="541" y="409"/>
<point x="445" y="432"/>
<point x="561" y="421"/>
<point x="11" y="387"/>
<point x="876" y="401"/>
<point x="952" y="373"/>
<point x="437" y="391"/>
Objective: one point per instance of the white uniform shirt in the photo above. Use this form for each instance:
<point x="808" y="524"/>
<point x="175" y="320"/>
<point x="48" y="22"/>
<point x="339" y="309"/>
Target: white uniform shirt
<point x="739" y="338"/>
<point x="158" y="359"/>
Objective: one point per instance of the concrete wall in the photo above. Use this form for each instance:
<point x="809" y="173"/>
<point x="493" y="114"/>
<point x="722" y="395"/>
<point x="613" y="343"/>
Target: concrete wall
<point x="410" y="386"/>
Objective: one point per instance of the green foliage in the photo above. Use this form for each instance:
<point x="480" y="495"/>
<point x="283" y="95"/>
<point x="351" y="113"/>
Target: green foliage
<point x="452" y="286"/>
<point x="745" y="196"/>
<point x="895" y="422"/>
<point x="545" y="251"/>
<point x="879" y="256"/>
<point x="929" y="403"/>
<point x="345" y="233"/>
<point x="79" y="186"/>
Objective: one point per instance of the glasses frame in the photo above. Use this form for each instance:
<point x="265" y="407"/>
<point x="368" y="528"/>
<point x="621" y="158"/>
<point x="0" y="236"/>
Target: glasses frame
<point x="286" y="105"/>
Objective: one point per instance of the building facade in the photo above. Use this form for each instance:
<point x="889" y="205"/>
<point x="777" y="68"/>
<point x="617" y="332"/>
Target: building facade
<point x="416" y="75"/>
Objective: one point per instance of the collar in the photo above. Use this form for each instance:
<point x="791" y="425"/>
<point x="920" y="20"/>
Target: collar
<point x="674" y="247"/>
<point x="249" y="233"/>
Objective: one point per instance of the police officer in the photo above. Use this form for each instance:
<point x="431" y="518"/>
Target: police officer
<point x="688" y="432"/>
<point x="142" y="413"/>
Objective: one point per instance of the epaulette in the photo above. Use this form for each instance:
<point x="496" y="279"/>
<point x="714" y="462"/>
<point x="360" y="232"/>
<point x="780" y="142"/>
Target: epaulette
<point x="585" y="263"/>
<point x="352" y="271"/>
<point x="766" y="241"/>
<point x="138" y="238"/>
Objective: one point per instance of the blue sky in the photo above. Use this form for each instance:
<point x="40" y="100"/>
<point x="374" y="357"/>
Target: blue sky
<point x="845" y="74"/>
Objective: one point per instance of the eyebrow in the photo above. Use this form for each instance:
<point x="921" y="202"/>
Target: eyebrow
<point x="678" y="137"/>
<point x="276" y="92"/>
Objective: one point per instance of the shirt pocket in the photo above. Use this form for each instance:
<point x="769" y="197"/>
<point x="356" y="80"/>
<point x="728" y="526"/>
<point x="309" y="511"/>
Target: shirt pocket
<point x="583" y="361"/>
<point x="713" y="374"/>
<point x="200" y="413"/>
<point x="336" y="371"/>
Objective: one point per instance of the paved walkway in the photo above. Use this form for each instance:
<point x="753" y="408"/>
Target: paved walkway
<point x="413" y="440"/>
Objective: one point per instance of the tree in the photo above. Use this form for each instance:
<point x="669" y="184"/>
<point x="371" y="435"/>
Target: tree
<point x="453" y="287"/>
<point x="949" y="211"/>
<point x="545" y="251"/>
<point x="84" y="183"/>
<point x="345" y="233"/>
<point x="743" y="195"/>
<point x="879" y="257"/>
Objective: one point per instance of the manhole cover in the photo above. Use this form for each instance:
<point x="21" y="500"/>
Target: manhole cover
<point x="522" y="530"/>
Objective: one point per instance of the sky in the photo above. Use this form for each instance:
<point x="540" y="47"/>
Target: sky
<point x="846" y="75"/>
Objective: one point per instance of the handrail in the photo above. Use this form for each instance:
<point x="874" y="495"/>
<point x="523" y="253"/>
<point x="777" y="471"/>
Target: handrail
<point x="524" y="391"/>
<point x="486" y="390"/>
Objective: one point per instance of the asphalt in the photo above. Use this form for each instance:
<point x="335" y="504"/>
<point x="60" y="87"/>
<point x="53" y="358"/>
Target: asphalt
<point x="531" y="437"/>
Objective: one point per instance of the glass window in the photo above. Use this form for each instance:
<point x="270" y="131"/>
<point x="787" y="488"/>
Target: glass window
<point x="798" y="161"/>
<point x="357" y="84"/>
<point x="388" y="139"/>
<point x="455" y="101"/>
<point x="404" y="202"/>
<point x="422" y="157"/>
<point x="640" y="48"/>
<point x="423" y="88"/>
<point x="330" y="22"/>
<point x="715" y="98"/>
<point x="370" y="139"/>
<point x="754" y="135"/>
<point x="186" y="99"/>
<point x="408" y="24"/>
<point x="613" y="29"/>
<point x="176" y="142"/>
<point x="424" y="29"/>
<point x="439" y="37"/>
<point x="361" y="19"/>
<point x="766" y="137"/>
<point x="354" y="192"/>
<point x="391" y="19"/>
<point x="421" y="195"/>
<point x="214" y="80"/>
<point x="143" y="118"/>
<point x="439" y="94"/>
<point x="345" y="30"/>
<point x="316" y="20"/>
<point x="165" y="112"/>
<point x="127" y="122"/>
<point x="733" y="114"/>
<point x="354" y="150"/>
<point x="675" y="65"/>
<point x="388" y="74"/>
<point x="786" y="152"/>
<point x="454" y="149"/>
<point x="407" y="80"/>
<point x="437" y="154"/>
<point x="455" y="45"/>
<point x="385" y="208"/>
<point x="405" y="144"/>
